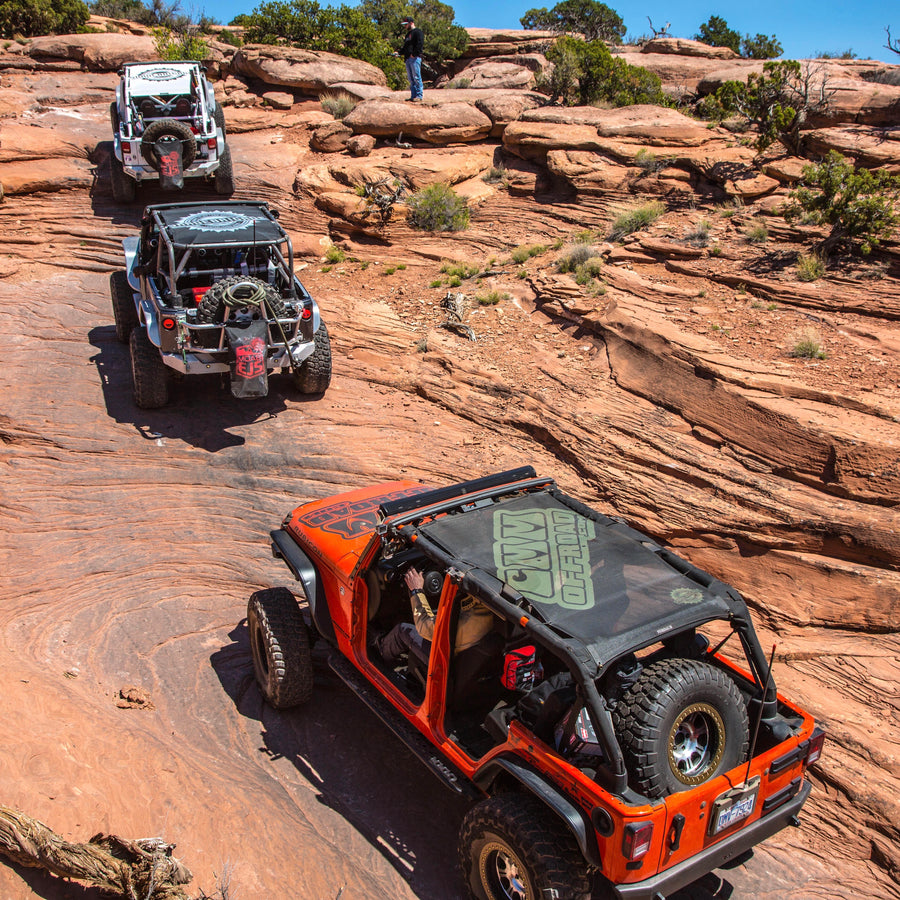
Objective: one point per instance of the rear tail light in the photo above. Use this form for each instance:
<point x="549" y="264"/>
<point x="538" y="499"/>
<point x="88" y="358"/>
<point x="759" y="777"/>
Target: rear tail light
<point x="306" y="314"/>
<point x="126" y="146"/>
<point x="168" y="323"/>
<point x="211" y="143"/>
<point x="816" y="742"/>
<point x="637" y="839"/>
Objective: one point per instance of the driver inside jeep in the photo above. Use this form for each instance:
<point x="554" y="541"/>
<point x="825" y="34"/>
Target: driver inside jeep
<point x="475" y="621"/>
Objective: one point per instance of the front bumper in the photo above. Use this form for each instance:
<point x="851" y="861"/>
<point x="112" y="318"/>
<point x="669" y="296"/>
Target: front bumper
<point x="716" y="855"/>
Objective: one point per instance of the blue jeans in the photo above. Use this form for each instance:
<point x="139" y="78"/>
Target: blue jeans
<point x="414" y="74"/>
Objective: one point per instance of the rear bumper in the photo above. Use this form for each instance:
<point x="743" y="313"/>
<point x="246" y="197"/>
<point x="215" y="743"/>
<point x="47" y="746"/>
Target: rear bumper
<point x="712" y="857"/>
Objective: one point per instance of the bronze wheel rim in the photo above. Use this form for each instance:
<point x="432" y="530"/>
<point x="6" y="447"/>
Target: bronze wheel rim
<point x="502" y="873"/>
<point x="696" y="743"/>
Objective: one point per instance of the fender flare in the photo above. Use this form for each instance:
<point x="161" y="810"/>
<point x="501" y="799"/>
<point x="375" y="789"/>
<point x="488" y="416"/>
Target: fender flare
<point x="575" y="819"/>
<point x="285" y="548"/>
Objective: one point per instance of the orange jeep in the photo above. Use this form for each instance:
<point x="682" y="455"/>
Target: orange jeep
<point x="602" y="736"/>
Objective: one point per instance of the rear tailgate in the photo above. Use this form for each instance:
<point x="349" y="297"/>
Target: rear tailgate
<point x="708" y="815"/>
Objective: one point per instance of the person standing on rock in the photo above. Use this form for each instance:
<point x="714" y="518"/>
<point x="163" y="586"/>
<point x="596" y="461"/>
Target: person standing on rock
<point x="411" y="51"/>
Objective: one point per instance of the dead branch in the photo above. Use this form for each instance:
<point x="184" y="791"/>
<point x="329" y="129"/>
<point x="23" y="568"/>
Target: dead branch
<point x="137" y="870"/>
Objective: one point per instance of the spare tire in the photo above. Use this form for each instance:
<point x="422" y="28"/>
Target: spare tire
<point x="168" y="129"/>
<point x="680" y="724"/>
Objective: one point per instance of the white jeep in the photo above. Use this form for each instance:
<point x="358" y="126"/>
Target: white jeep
<point x="167" y="126"/>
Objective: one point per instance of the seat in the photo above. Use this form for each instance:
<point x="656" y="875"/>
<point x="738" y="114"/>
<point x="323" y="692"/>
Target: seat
<point x="475" y="675"/>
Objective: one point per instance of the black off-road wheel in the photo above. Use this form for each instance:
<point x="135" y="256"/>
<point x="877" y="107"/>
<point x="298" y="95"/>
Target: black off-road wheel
<point x="219" y="118"/>
<point x="680" y="724"/>
<point x="280" y="646"/>
<point x="314" y="375"/>
<point x="148" y="371"/>
<point x="511" y="847"/>
<point x="168" y="129"/>
<point x="124" y="187"/>
<point x="114" y="116"/>
<point x="124" y="310"/>
<point x="224" y="174"/>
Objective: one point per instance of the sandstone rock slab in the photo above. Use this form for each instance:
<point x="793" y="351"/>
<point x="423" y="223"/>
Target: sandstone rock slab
<point x="310" y="71"/>
<point x="686" y="47"/>
<point x="98" y="52"/>
<point x="437" y="124"/>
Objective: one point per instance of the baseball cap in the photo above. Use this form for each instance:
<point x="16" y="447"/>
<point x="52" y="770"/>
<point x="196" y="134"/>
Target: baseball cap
<point x="406" y="21"/>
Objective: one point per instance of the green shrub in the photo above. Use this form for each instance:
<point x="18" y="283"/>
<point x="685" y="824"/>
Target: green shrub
<point x="30" y="18"/>
<point x="171" y="45"/>
<point x="698" y="236"/>
<point x="458" y="84"/>
<point x="492" y="298"/>
<point x="716" y="33"/>
<point x="459" y="270"/>
<point x="810" y="267"/>
<point x="860" y="205"/>
<point x="756" y="233"/>
<point x="229" y="37"/>
<point x="338" y="105"/>
<point x="596" y="21"/>
<point x="496" y="175"/>
<point x="760" y="47"/>
<point x="649" y="163"/>
<point x="808" y="346"/>
<point x="335" y="254"/>
<point x="600" y="76"/>
<point x="436" y="283"/>
<point x="438" y="208"/>
<point x="635" y="219"/>
<point x="575" y="257"/>
<point x="587" y="271"/>
<point x="524" y="252"/>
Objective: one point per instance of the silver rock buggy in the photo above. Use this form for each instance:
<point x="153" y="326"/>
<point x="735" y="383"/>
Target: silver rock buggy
<point x="167" y="126"/>
<point x="210" y="288"/>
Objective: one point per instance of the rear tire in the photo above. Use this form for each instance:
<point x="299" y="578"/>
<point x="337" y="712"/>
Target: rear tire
<point x="511" y="847"/>
<point x="680" y="724"/>
<point x="174" y="130"/>
<point x="124" y="187"/>
<point x="280" y="647"/>
<point x="315" y="371"/>
<point x="224" y="175"/>
<point x="124" y="310"/>
<point x="148" y="371"/>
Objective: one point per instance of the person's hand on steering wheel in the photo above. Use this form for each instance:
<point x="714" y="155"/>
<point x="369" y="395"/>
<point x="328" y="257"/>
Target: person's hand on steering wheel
<point x="414" y="579"/>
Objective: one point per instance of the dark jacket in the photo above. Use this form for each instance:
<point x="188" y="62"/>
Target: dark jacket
<point x="414" y="43"/>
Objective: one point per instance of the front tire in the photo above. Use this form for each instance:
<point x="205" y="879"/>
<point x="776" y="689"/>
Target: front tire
<point x="149" y="373"/>
<point x="124" y="310"/>
<point x="682" y="723"/>
<point x="314" y="375"/>
<point x="280" y="647"/>
<point x="512" y="847"/>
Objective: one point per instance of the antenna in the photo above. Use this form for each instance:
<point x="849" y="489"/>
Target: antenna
<point x="762" y="705"/>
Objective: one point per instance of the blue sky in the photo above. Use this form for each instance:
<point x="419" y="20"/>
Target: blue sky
<point x="804" y="27"/>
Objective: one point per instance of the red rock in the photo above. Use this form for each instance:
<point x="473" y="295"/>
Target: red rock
<point x="98" y="52"/>
<point x="437" y="124"/>
<point x="685" y="47"/>
<point x="361" y="145"/>
<point x="331" y="137"/>
<point x="306" y="70"/>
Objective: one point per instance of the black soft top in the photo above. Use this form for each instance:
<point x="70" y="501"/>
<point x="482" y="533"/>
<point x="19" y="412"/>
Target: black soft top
<point x="218" y="224"/>
<point x="589" y="577"/>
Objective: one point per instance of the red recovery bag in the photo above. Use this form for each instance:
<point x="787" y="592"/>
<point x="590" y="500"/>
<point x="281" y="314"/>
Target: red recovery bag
<point x="521" y="669"/>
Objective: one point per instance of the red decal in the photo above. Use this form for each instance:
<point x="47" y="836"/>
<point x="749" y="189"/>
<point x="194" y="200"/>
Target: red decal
<point x="168" y="164"/>
<point x="251" y="358"/>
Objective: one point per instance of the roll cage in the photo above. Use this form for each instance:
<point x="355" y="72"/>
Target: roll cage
<point x="422" y="521"/>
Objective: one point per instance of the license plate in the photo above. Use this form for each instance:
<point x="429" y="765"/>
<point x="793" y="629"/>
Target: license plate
<point x="733" y="807"/>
